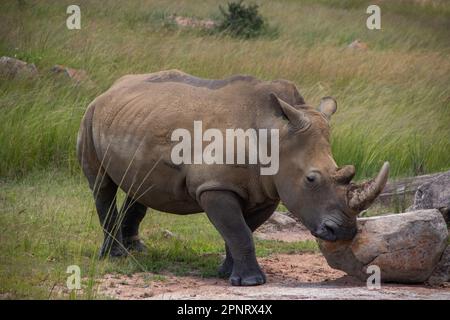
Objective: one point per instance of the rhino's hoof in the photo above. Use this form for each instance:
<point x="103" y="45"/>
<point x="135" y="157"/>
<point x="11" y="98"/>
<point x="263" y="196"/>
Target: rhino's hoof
<point x="135" y="245"/>
<point x="114" y="252"/>
<point x="226" y="268"/>
<point x="251" y="280"/>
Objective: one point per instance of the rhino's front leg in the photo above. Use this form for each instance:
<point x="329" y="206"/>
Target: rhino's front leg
<point x="254" y="219"/>
<point x="226" y="268"/>
<point x="223" y="209"/>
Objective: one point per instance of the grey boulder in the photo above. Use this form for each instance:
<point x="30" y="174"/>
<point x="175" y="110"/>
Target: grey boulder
<point x="280" y="221"/>
<point x="434" y="195"/>
<point x="406" y="247"/>
<point x="12" y="68"/>
<point x="441" y="273"/>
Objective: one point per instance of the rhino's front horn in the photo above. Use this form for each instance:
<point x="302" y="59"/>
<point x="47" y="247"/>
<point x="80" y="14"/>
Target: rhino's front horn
<point x="361" y="196"/>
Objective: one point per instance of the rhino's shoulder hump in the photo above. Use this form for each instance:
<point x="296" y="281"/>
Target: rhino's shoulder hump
<point x="287" y="90"/>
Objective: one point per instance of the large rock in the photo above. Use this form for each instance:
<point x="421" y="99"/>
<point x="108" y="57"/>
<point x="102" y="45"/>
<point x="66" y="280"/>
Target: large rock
<point x="13" y="68"/>
<point x="280" y="221"/>
<point x="434" y="195"/>
<point x="282" y="226"/>
<point x="401" y="191"/>
<point x="406" y="247"/>
<point x="441" y="273"/>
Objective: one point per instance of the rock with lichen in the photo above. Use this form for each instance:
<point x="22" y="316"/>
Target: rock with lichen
<point x="407" y="247"/>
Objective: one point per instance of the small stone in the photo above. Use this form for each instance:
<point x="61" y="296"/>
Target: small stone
<point x="147" y="295"/>
<point x="12" y="68"/>
<point x="168" y="234"/>
<point x="359" y="45"/>
<point x="193" y="22"/>
<point x="406" y="247"/>
<point x="77" y="75"/>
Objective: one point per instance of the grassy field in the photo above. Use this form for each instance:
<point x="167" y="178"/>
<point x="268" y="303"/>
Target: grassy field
<point x="393" y="99"/>
<point x="394" y="104"/>
<point x="49" y="222"/>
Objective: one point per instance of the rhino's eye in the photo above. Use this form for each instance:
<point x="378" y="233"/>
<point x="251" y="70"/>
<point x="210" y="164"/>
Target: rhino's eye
<point x="312" y="178"/>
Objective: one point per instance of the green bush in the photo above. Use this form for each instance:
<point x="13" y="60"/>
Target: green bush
<point x="240" y="20"/>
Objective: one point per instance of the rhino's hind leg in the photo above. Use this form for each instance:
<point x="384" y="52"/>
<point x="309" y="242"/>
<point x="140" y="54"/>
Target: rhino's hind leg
<point x="254" y="220"/>
<point x="103" y="188"/>
<point x="105" y="202"/>
<point x="133" y="212"/>
<point x="104" y="191"/>
<point x="224" y="210"/>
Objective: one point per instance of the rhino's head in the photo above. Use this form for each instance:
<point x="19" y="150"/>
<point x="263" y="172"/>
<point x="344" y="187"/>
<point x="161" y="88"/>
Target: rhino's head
<point x="310" y="183"/>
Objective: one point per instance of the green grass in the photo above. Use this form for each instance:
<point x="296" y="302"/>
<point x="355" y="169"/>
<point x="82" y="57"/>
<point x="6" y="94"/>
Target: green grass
<point x="393" y="104"/>
<point x="393" y="99"/>
<point x="49" y="222"/>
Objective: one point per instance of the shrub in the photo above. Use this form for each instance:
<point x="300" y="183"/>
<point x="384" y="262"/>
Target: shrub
<point x="240" y="20"/>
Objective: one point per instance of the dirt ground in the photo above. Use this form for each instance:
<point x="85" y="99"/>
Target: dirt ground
<point x="300" y="276"/>
<point x="296" y="276"/>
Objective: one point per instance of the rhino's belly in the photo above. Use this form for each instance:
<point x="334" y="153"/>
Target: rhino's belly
<point x="155" y="185"/>
<point x="162" y="201"/>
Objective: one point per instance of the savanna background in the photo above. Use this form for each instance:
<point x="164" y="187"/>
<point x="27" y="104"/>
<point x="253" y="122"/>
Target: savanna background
<point x="393" y="104"/>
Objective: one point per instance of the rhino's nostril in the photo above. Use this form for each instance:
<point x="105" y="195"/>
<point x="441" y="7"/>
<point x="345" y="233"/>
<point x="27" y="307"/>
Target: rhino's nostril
<point x="329" y="230"/>
<point x="325" y="232"/>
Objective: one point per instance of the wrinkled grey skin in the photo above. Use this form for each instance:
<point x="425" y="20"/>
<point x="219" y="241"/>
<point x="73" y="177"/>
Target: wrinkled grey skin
<point x="125" y="141"/>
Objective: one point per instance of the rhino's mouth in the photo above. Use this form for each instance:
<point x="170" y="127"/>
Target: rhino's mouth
<point x="331" y="231"/>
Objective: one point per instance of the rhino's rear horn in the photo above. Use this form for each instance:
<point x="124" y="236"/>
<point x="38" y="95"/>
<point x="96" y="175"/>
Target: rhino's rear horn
<point x="361" y="196"/>
<point x="345" y="174"/>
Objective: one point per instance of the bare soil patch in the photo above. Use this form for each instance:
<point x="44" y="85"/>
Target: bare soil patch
<point x="289" y="276"/>
<point x="300" y="276"/>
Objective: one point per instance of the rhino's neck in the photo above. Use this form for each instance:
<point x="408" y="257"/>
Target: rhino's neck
<point x="269" y="188"/>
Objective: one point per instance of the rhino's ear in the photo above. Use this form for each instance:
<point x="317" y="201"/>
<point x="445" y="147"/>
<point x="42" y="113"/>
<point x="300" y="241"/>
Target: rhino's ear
<point x="297" y="118"/>
<point x="328" y="106"/>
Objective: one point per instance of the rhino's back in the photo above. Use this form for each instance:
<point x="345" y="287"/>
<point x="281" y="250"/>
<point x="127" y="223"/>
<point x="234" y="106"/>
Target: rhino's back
<point x="133" y="122"/>
<point x="166" y="100"/>
<point x="163" y="101"/>
<point x="177" y="76"/>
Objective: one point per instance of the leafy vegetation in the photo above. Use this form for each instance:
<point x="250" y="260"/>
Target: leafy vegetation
<point x="240" y="20"/>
